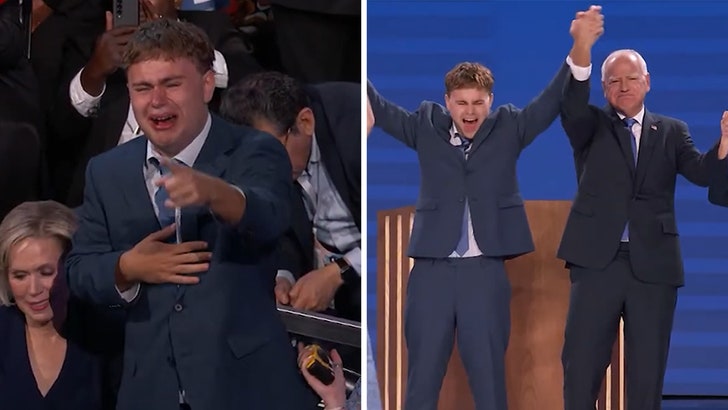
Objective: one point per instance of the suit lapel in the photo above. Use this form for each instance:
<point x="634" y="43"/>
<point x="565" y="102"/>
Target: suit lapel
<point x="329" y="155"/>
<point x="130" y="177"/>
<point x="648" y="142"/>
<point x="483" y="132"/>
<point x="442" y="123"/>
<point x="212" y="160"/>
<point x="624" y="139"/>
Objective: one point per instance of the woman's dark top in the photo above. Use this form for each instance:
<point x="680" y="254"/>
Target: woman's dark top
<point x="78" y="386"/>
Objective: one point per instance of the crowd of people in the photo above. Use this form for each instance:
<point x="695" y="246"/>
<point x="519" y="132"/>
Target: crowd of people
<point x="166" y="186"/>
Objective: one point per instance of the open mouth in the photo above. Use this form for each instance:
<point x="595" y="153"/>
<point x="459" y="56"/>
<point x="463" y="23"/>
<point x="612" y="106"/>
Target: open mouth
<point x="470" y="121"/>
<point x="39" y="306"/>
<point x="163" y="122"/>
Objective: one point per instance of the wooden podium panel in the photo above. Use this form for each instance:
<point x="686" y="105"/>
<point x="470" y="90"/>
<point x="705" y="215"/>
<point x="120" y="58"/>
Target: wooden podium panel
<point x="540" y="298"/>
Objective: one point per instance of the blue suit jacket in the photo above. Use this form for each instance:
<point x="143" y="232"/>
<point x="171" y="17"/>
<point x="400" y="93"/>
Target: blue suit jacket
<point x="78" y="385"/>
<point x="222" y="338"/>
<point x="488" y="178"/>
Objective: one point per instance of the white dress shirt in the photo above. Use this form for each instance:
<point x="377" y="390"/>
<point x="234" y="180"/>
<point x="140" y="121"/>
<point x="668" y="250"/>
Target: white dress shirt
<point x="473" y="248"/>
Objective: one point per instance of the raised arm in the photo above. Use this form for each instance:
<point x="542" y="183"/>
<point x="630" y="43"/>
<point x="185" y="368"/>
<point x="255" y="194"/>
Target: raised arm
<point x="691" y="164"/>
<point x="393" y="119"/>
<point x="541" y="112"/>
<point x="577" y="118"/>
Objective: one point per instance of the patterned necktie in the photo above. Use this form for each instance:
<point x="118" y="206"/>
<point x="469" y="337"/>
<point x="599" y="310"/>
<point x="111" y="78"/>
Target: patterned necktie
<point x="629" y="122"/>
<point x="464" y="243"/>
<point x="164" y="214"/>
<point x="465" y="144"/>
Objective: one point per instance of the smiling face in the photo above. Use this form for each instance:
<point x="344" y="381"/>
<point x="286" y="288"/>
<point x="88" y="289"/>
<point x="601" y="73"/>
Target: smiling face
<point x="32" y="270"/>
<point x="625" y="82"/>
<point x="468" y="96"/>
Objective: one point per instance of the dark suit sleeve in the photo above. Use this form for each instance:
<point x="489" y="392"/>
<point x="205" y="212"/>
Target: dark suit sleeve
<point x="541" y="112"/>
<point x="578" y="118"/>
<point x="690" y="162"/>
<point x="718" y="190"/>
<point x="92" y="262"/>
<point x="342" y="104"/>
<point x="393" y="119"/>
<point x="11" y="35"/>
<point x="263" y="173"/>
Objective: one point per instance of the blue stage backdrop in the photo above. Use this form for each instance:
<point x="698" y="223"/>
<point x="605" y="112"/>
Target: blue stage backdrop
<point x="412" y="44"/>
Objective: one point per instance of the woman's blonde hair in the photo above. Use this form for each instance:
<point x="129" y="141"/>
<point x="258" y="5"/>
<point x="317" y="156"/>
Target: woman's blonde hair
<point x="41" y="219"/>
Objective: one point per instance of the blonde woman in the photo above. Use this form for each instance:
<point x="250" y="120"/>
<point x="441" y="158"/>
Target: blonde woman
<point x="39" y="368"/>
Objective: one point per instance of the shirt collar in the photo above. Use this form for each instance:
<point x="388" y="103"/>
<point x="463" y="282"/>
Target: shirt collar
<point x="189" y="154"/>
<point x="453" y="130"/>
<point x="456" y="139"/>
<point x="639" y="117"/>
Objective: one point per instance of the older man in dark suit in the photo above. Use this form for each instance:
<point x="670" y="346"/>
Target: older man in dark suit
<point x="320" y="126"/>
<point x="621" y="240"/>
